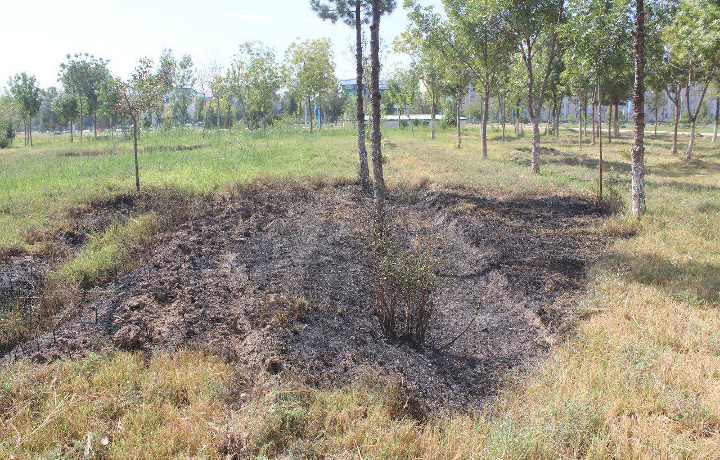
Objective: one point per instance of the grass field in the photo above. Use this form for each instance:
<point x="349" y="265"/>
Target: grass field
<point x="640" y="378"/>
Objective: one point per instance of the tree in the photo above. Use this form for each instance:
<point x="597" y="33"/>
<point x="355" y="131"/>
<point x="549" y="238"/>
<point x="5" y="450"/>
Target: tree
<point x="48" y="118"/>
<point x="403" y="92"/>
<point x="694" y="40"/>
<point x="378" y="9"/>
<point x="83" y="74"/>
<point x="353" y="13"/>
<point x="595" y="36"/>
<point x="141" y="93"/>
<point x="182" y="93"/>
<point x="27" y="96"/>
<point x="482" y="44"/>
<point x="66" y="108"/>
<point x="254" y="80"/>
<point x="637" y="151"/>
<point x="534" y="25"/>
<point x="656" y="101"/>
<point x="310" y="72"/>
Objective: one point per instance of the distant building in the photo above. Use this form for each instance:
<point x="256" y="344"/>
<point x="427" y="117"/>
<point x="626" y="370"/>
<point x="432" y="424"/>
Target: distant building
<point x="349" y="86"/>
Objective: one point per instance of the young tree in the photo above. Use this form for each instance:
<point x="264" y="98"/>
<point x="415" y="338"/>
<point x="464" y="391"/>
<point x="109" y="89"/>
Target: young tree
<point x="656" y="101"/>
<point x="637" y="151"/>
<point x="310" y="72"/>
<point x="141" y="93"/>
<point x="254" y="80"/>
<point x="66" y="108"/>
<point x="694" y="40"/>
<point x="403" y="90"/>
<point x="353" y="13"/>
<point x="534" y="25"/>
<point x="83" y="75"/>
<point x="27" y="95"/>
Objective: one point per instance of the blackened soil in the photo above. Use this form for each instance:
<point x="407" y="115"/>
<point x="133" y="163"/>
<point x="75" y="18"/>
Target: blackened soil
<point x="278" y="278"/>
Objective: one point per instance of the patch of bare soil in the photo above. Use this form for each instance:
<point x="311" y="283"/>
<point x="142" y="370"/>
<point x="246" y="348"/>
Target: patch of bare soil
<point x="279" y="279"/>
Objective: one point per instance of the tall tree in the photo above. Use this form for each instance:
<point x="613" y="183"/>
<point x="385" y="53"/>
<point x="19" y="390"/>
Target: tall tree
<point x="309" y="71"/>
<point x="403" y="92"/>
<point x="27" y="96"/>
<point x="83" y="75"/>
<point x="254" y="79"/>
<point x="694" y="40"/>
<point x="354" y="13"/>
<point x="637" y="151"/>
<point x="534" y="24"/>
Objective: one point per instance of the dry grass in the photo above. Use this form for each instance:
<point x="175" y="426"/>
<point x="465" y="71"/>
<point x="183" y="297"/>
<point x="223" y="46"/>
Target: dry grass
<point x="640" y="378"/>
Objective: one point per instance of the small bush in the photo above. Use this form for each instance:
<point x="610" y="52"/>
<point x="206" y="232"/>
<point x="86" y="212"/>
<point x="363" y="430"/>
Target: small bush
<point x="403" y="288"/>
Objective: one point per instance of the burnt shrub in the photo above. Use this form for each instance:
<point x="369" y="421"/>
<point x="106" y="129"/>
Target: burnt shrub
<point x="403" y="286"/>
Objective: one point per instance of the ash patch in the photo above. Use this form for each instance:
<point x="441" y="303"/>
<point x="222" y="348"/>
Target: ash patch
<point x="278" y="278"/>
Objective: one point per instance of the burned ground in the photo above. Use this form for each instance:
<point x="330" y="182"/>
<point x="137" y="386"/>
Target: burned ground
<point x="278" y="278"/>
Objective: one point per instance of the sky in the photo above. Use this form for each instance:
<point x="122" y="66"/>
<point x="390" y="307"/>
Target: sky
<point x="43" y="32"/>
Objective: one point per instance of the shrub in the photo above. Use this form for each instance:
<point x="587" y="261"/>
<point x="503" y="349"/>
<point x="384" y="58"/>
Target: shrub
<point x="403" y="286"/>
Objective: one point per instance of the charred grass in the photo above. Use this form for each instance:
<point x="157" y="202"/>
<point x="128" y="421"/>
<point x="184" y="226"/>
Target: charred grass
<point x="637" y="378"/>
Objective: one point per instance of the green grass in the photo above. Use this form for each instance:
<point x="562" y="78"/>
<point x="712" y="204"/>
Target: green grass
<point x="639" y="379"/>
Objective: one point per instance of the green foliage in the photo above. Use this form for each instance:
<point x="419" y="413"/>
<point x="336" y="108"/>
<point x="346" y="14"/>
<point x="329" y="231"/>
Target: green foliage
<point x="309" y="71"/>
<point x="254" y="80"/>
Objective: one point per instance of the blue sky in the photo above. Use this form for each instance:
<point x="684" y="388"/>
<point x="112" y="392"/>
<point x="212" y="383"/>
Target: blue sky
<point x="42" y="32"/>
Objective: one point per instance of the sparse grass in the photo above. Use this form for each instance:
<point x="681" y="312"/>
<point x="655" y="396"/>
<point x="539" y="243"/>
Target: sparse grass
<point x="639" y="379"/>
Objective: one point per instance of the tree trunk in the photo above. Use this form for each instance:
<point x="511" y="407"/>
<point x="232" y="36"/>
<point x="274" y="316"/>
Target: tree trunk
<point x="457" y="119"/>
<point x="310" y="110"/>
<point x="593" y="122"/>
<point x="135" y="149"/>
<point x="715" y="128"/>
<point x="535" y="160"/>
<point x="610" y="116"/>
<point x="617" y="121"/>
<point x="600" y="161"/>
<point x="486" y="112"/>
<point x="637" y="152"/>
<point x="656" y="120"/>
<point x="432" y="118"/>
<point x="81" y="118"/>
<point x="376" y="137"/>
<point x="502" y="118"/>
<point x="691" y="142"/>
<point x="364" y="171"/>
<point x="95" y="125"/>
<point x="678" y="105"/>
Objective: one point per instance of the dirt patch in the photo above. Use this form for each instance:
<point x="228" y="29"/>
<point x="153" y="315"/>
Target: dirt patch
<point x="279" y="279"/>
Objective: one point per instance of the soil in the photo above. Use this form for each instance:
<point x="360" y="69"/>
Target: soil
<point x="278" y="279"/>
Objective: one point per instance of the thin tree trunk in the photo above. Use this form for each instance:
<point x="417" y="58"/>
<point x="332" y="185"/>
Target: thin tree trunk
<point x="691" y="142"/>
<point x="81" y="119"/>
<point x="95" y="125"/>
<point x="656" y="120"/>
<point x="457" y="119"/>
<point x="486" y="112"/>
<point x="432" y="118"/>
<point x="637" y="152"/>
<point x="593" y="122"/>
<point x="135" y="149"/>
<point x="364" y="170"/>
<point x="678" y="104"/>
<point x="557" y="120"/>
<point x="600" y="161"/>
<point x="379" y="179"/>
<point x="72" y="126"/>
<point x="610" y="116"/>
<point x="502" y="118"/>
<point x="715" y="128"/>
